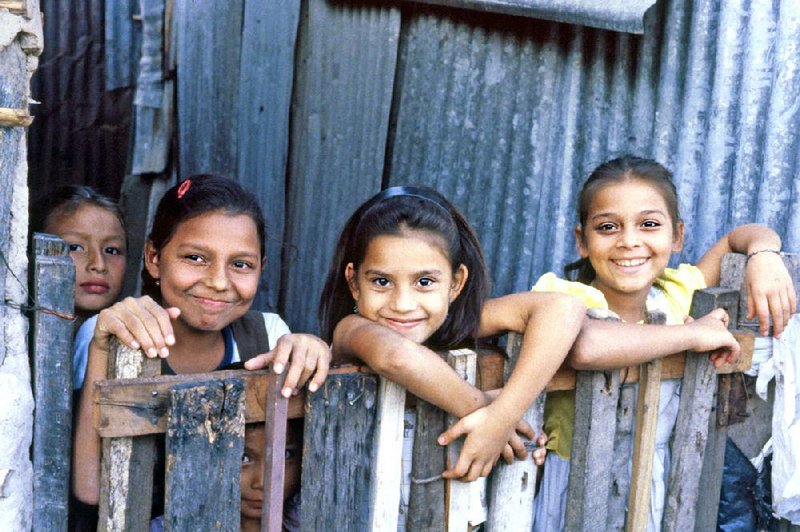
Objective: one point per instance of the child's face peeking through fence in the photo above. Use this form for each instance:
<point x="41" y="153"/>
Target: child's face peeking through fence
<point x="251" y="480"/>
<point x="209" y="269"/>
<point x="406" y="282"/>
<point x="97" y="246"/>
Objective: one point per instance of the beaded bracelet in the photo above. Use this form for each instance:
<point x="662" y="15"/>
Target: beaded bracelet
<point x="751" y="255"/>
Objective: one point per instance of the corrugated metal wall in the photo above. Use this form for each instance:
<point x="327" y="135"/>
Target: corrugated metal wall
<point x="506" y="115"/>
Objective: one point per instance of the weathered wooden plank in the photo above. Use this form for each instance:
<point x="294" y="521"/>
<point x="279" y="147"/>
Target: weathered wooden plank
<point x="269" y="39"/>
<point x="385" y="483"/>
<point x="644" y="443"/>
<point x="512" y="487"/>
<point x="205" y="442"/>
<point x="53" y="288"/>
<point x="276" y="408"/>
<point x="14" y="6"/>
<point x="426" y="502"/>
<point x="621" y="459"/>
<point x="209" y="38"/>
<point x="457" y="493"/>
<point x="596" y="395"/>
<point x="126" y="472"/>
<point x="691" y="428"/>
<point x="338" y="441"/>
<point x="341" y="104"/>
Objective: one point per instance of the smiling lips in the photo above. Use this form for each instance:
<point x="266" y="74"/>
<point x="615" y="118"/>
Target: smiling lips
<point x="212" y="304"/>
<point x="629" y="263"/>
<point x="404" y="324"/>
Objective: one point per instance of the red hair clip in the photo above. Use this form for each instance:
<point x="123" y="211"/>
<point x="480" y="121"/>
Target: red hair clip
<point x="184" y="188"/>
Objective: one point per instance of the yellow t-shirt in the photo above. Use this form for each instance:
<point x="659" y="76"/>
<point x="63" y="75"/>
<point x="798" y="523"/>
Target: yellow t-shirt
<point x="672" y="293"/>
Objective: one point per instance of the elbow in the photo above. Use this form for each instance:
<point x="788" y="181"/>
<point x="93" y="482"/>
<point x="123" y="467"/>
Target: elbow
<point x="584" y="354"/>
<point x="391" y="363"/>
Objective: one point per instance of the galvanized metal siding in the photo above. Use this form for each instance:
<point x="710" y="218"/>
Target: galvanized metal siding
<point x="344" y="79"/>
<point x="507" y="117"/>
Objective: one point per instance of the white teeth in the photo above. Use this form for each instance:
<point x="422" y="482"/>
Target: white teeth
<point x="630" y="262"/>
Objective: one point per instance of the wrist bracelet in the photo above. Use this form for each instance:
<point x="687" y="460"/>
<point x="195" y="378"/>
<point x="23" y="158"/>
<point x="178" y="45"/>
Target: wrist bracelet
<point x="751" y="255"/>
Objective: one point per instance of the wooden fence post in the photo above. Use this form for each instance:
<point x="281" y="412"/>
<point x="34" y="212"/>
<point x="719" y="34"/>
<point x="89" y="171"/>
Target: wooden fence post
<point x="337" y="453"/>
<point x="644" y="443"/>
<point x="204" y="446"/>
<point x="691" y="427"/>
<point x="457" y="493"/>
<point x="275" y="417"/>
<point x="512" y="486"/>
<point x="426" y="502"/>
<point x="126" y="480"/>
<point x="596" y="396"/>
<point x="386" y="479"/>
<point x="53" y="289"/>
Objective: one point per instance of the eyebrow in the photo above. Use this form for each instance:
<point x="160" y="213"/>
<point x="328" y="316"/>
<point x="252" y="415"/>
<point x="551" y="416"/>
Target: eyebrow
<point x="200" y="247"/>
<point x="641" y="213"/>
<point x="88" y="234"/>
<point x="416" y="274"/>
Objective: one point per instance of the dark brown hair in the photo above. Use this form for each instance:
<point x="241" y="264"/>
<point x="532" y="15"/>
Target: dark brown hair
<point x="393" y="212"/>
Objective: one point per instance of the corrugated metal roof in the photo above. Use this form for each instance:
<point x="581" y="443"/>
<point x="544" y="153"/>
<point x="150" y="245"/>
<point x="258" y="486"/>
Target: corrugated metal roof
<point x="620" y="15"/>
<point x="123" y="42"/>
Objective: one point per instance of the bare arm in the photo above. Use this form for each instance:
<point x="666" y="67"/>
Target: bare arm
<point x="413" y="366"/>
<point x="770" y="291"/>
<point x="611" y="345"/>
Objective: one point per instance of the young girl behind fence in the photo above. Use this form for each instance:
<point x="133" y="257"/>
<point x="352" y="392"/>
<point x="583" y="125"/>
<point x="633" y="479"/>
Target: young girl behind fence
<point x="629" y="227"/>
<point x="203" y="260"/>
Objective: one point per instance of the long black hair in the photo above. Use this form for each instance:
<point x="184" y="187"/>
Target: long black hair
<point x="619" y="170"/>
<point x="196" y="195"/>
<point x="396" y="211"/>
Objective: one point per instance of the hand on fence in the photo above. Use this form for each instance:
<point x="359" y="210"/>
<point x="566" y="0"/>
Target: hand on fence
<point x="770" y="292"/>
<point x="139" y="323"/>
<point x="304" y="354"/>
<point x="487" y="437"/>
<point x="710" y="334"/>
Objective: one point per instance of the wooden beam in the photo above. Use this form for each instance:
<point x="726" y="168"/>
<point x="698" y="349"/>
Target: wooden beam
<point x="386" y="479"/>
<point x="644" y="443"/>
<point x="276" y="409"/>
<point x="14" y="117"/>
<point x="457" y="493"/>
<point x="426" y="501"/>
<point x="17" y="7"/>
<point x="512" y="486"/>
<point x="692" y="425"/>
<point x="126" y="470"/>
<point x="53" y="288"/>
<point x="204" y="446"/>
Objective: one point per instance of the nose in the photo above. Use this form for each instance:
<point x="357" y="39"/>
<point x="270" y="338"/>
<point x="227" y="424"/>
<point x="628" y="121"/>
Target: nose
<point x="403" y="299"/>
<point x="629" y="237"/>
<point x="258" y="478"/>
<point x="97" y="261"/>
<point x="217" y="277"/>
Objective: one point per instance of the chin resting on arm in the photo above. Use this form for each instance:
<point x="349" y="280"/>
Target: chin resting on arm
<point x="415" y="367"/>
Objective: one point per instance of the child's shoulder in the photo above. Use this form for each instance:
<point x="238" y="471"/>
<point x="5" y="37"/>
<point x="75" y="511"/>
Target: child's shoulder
<point x="591" y="296"/>
<point x="684" y="277"/>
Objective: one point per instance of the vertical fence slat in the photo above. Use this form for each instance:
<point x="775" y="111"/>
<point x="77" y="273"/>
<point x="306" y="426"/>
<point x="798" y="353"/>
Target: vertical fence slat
<point x="457" y="493"/>
<point x="53" y="288"/>
<point x="126" y="481"/>
<point x="387" y="465"/>
<point x="275" y="413"/>
<point x="426" y="500"/>
<point x="691" y="427"/>
<point x="513" y="485"/>
<point x="337" y="453"/>
<point x="205" y="442"/>
<point x="596" y="394"/>
<point x="644" y="444"/>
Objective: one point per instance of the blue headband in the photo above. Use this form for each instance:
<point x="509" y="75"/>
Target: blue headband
<point x="413" y="192"/>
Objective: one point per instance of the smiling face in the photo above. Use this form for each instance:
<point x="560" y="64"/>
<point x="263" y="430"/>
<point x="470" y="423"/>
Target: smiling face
<point x="97" y="244"/>
<point x="406" y="283"/>
<point x="628" y="238"/>
<point x="209" y="269"/>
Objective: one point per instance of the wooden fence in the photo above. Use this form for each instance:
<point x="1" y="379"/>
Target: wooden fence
<point x="352" y="444"/>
